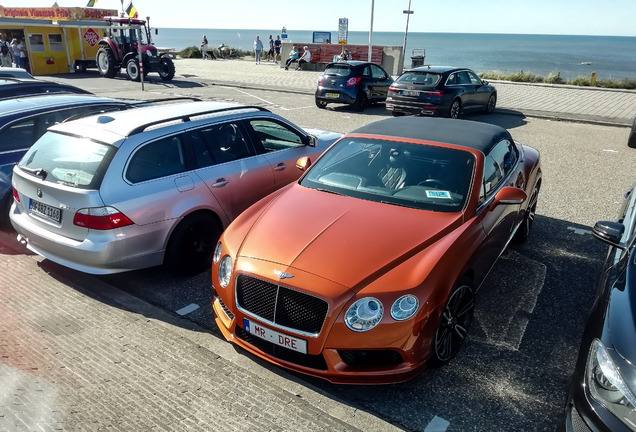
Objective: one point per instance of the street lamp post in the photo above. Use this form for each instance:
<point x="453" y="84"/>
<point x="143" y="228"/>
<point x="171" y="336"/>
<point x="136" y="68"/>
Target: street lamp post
<point x="408" y="13"/>
<point x="371" y="29"/>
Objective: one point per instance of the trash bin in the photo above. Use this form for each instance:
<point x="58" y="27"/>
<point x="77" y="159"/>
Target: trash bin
<point x="417" y="61"/>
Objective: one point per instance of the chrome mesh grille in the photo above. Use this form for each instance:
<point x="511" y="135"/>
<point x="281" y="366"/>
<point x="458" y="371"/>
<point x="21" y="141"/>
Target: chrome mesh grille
<point x="279" y="305"/>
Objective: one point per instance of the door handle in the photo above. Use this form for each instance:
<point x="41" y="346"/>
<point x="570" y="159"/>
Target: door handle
<point x="220" y="183"/>
<point x="280" y="167"/>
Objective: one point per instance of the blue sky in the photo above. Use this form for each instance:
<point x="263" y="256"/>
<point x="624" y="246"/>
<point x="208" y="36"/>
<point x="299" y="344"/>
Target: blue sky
<point x="580" y="17"/>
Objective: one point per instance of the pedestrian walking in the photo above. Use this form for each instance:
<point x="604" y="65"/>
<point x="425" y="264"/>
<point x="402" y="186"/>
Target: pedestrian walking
<point x="293" y="56"/>
<point x="258" y="49"/>
<point x="204" y="48"/>
<point x="270" y="53"/>
<point x="277" y="45"/>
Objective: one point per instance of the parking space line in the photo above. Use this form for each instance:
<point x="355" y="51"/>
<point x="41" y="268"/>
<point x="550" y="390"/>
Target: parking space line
<point x="438" y="424"/>
<point x="189" y="308"/>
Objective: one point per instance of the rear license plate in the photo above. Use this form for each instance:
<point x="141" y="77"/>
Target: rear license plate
<point x="410" y="93"/>
<point x="275" y="337"/>
<point x="332" y="95"/>
<point x="46" y="211"/>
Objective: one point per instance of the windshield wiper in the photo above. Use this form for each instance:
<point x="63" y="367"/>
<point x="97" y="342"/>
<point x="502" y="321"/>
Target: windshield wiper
<point x="329" y="191"/>
<point x="38" y="172"/>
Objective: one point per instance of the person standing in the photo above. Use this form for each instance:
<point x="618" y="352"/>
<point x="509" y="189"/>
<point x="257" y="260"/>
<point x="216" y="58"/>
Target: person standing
<point x="24" y="59"/>
<point x="5" y="55"/>
<point x="204" y="48"/>
<point x="258" y="49"/>
<point x="277" y="45"/>
<point x="293" y="56"/>
<point x="305" y="58"/>
<point x="270" y="53"/>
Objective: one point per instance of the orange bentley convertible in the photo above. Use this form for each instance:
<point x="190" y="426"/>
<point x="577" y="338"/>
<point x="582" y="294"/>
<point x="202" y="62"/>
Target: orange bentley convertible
<point x="366" y="269"/>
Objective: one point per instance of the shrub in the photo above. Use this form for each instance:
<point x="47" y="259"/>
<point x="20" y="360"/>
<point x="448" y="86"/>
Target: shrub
<point x="191" y="52"/>
<point x="555" y="78"/>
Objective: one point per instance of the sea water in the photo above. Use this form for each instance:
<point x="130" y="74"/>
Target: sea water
<point x="611" y="57"/>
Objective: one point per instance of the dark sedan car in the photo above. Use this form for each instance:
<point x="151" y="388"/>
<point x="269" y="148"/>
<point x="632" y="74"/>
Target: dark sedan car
<point x="24" y="120"/>
<point x="602" y="393"/>
<point x="440" y="90"/>
<point x="13" y="87"/>
<point x="631" y="141"/>
<point x="354" y="83"/>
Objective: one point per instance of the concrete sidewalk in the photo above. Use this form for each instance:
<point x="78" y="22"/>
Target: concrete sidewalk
<point x="605" y="106"/>
<point x="78" y="354"/>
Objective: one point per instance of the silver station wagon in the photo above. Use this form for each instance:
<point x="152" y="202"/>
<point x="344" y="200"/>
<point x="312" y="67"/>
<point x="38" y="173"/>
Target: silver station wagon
<point x="123" y="191"/>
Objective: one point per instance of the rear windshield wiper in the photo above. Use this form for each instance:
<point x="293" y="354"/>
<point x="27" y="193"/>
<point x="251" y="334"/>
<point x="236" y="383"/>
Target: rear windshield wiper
<point x="38" y="172"/>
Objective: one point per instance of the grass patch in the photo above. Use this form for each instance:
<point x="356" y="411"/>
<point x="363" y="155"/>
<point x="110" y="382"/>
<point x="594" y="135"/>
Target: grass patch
<point x="555" y="78"/>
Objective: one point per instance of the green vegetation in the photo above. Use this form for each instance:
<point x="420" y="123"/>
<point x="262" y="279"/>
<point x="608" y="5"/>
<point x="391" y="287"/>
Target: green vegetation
<point x="195" y="52"/>
<point x="555" y="78"/>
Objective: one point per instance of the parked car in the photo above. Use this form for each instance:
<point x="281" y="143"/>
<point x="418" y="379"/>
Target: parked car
<point x="631" y="140"/>
<point x="440" y="91"/>
<point x="11" y="87"/>
<point x="602" y="394"/>
<point x="118" y="192"/>
<point x="385" y="240"/>
<point x="354" y="83"/>
<point x="25" y="119"/>
<point x="15" y="72"/>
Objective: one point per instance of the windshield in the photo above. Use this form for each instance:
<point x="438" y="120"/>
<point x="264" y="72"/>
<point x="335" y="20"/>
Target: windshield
<point x="420" y="176"/>
<point x="68" y="160"/>
<point x="341" y="70"/>
<point x="421" y="78"/>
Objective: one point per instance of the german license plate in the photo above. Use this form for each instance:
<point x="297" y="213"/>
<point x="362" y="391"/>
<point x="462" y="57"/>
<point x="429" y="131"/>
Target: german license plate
<point x="332" y="95"/>
<point x="410" y="93"/>
<point x="46" y="211"/>
<point x="275" y="337"/>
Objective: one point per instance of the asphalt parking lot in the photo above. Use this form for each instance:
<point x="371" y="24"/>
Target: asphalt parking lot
<point x="514" y="370"/>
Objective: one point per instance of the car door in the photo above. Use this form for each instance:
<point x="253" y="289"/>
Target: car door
<point x="282" y="145"/>
<point x="481" y="92"/>
<point x="379" y="82"/>
<point x="466" y="88"/>
<point x="233" y="172"/>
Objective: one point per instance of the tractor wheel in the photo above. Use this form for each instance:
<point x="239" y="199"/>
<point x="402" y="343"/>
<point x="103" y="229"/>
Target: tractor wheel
<point x="132" y="69"/>
<point x="166" y="69"/>
<point x="106" y="62"/>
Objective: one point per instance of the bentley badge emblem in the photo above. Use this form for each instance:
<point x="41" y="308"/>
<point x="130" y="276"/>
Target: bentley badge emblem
<point x="282" y="275"/>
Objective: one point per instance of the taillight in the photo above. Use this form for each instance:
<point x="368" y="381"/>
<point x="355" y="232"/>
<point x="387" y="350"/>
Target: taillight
<point x="101" y="218"/>
<point x="392" y="89"/>
<point x="15" y="195"/>
<point x="320" y="80"/>
<point x="438" y="93"/>
<point x="353" y="81"/>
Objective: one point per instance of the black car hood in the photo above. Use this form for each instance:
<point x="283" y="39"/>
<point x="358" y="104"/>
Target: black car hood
<point x="621" y="314"/>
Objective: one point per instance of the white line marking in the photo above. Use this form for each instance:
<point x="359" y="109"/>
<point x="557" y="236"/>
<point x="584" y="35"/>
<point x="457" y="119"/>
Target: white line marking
<point x="610" y="151"/>
<point x="580" y="231"/>
<point x="438" y="424"/>
<point x="189" y="308"/>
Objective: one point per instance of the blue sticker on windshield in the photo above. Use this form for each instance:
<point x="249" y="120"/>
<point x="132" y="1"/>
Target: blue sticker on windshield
<point x="438" y="194"/>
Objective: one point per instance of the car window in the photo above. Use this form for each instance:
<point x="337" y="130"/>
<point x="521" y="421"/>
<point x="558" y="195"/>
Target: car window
<point x="202" y="152"/>
<point x="335" y="69"/>
<point x="18" y="135"/>
<point x="157" y="159"/>
<point x="377" y="72"/>
<point x="452" y="79"/>
<point x="367" y="71"/>
<point x="275" y="136"/>
<point x="422" y="78"/>
<point x="501" y="160"/>
<point x="463" y="78"/>
<point x="474" y="79"/>
<point x="226" y="143"/>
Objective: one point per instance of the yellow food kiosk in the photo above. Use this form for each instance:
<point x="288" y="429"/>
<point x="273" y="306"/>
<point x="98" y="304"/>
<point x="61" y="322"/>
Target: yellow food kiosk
<point x="57" y="40"/>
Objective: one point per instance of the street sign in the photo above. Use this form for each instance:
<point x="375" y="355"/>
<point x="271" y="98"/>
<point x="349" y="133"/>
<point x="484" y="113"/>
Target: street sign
<point x="343" y="30"/>
<point x="408" y="12"/>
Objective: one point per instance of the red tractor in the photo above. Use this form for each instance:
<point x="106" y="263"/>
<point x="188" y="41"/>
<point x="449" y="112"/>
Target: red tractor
<point x="119" y="48"/>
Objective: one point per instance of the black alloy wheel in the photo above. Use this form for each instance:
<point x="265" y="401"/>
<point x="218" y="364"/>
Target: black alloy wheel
<point x="321" y="104"/>
<point x="192" y="244"/>
<point x="454" y="323"/>
<point x="455" y="108"/>
<point x="528" y="219"/>
<point x="492" y="103"/>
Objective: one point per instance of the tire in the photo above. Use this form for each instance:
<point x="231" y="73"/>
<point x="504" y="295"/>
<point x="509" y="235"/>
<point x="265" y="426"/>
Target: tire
<point x="5" y="206"/>
<point x="397" y="114"/>
<point x="454" y="322"/>
<point x="360" y="103"/>
<point x="106" y="62"/>
<point x="455" y="109"/>
<point x="528" y="219"/>
<point x="132" y="70"/>
<point x="166" y="68"/>
<point x="192" y="244"/>
<point x="492" y="103"/>
<point x="321" y="104"/>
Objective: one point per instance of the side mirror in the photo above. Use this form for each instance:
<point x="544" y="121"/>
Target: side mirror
<point x="609" y="232"/>
<point x="509" y="196"/>
<point x="313" y="141"/>
<point x="303" y="163"/>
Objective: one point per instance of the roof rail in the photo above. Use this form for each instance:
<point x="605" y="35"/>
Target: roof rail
<point x="187" y="117"/>
<point x="168" y="99"/>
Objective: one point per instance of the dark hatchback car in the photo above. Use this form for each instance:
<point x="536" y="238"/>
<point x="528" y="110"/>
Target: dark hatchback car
<point x="354" y="83"/>
<point x="12" y="87"/>
<point x="602" y="394"/>
<point x="440" y="91"/>
<point x="24" y="120"/>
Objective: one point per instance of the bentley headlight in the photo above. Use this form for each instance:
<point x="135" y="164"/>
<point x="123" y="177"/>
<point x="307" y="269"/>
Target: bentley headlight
<point x="225" y="271"/>
<point x="217" y="252"/>
<point x="364" y="314"/>
<point x="607" y="386"/>
<point x="404" y="307"/>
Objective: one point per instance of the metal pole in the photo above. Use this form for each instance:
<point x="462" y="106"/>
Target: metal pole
<point x="371" y="29"/>
<point x="408" y="15"/>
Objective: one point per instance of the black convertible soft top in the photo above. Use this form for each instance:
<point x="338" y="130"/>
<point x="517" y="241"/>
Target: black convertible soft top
<point x="476" y="135"/>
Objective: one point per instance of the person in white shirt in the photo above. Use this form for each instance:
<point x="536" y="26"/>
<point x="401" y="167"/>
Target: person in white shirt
<point x="305" y="58"/>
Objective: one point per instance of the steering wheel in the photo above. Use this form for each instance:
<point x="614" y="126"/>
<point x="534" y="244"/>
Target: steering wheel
<point x="432" y="183"/>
